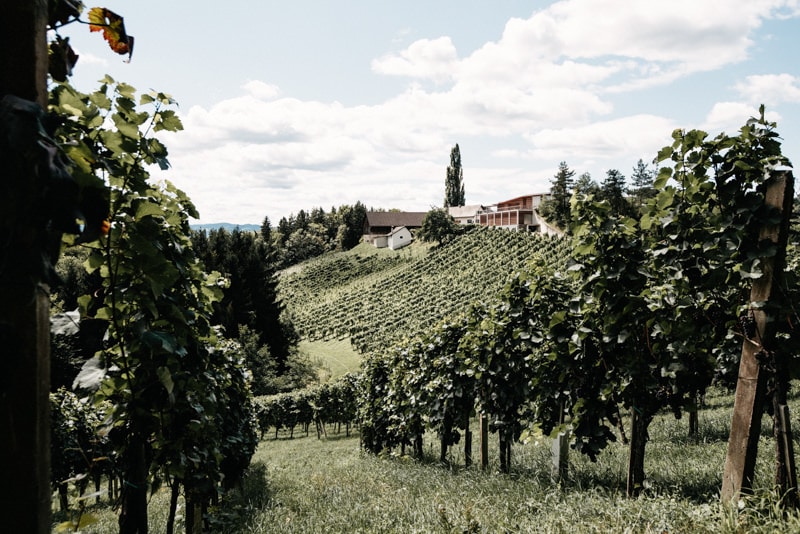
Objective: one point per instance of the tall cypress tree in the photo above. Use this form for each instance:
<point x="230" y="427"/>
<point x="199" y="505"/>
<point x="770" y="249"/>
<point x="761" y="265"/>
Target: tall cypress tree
<point x="453" y="185"/>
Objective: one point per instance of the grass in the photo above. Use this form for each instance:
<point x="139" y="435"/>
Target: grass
<point x="336" y="357"/>
<point x="310" y="485"/>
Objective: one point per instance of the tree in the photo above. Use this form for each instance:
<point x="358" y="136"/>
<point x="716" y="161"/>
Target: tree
<point x="613" y="191"/>
<point x="438" y="226"/>
<point x="454" y="185"/>
<point x="556" y="209"/>
<point x="266" y="231"/>
<point x="642" y="184"/>
<point x="585" y="186"/>
<point x="251" y="298"/>
<point x="351" y="227"/>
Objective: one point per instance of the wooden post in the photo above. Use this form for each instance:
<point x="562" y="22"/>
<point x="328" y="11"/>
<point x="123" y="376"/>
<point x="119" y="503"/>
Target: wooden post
<point x="751" y="386"/>
<point x="467" y="442"/>
<point x="484" y="430"/>
<point x="24" y="314"/>
<point x="560" y="456"/>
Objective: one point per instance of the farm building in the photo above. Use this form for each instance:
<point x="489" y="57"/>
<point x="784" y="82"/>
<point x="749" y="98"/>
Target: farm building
<point x="397" y="238"/>
<point x="465" y="214"/>
<point x="518" y="213"/>
<point x="381" y="223"/>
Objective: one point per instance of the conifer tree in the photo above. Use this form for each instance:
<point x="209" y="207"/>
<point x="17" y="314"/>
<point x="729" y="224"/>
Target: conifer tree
<point x="556" y="209"/>
<point x="642" y="183"/>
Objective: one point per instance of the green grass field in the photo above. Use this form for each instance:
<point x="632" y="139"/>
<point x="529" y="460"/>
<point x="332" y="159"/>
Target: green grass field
<point x="335" y="357"/>
<point x="330" y="486"/>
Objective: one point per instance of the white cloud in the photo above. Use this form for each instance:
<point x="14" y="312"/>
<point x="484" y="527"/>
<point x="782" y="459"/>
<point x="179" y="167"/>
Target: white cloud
<point x="728" y="117"/>
<point x="545" y="89"/>
<point x="260" y="90"/>
<point x="627" y="138"/>
<point x="770" y="89"/>
<point x="431" y="59"/>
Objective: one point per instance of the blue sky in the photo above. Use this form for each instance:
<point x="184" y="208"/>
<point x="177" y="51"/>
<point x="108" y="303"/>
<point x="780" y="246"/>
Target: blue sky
<point x="295" y="105"/>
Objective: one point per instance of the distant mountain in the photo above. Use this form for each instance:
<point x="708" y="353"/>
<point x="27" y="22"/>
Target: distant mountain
<point x="227" y="226"/>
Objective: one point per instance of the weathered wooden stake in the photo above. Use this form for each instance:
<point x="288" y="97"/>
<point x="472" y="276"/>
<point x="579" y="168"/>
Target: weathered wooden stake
<point x="560" y="456"/>
<point x="467" y="443"/>
<point x="484" y="429"/>
<point x="24" y="318"/>
<point x="751" y="386"/>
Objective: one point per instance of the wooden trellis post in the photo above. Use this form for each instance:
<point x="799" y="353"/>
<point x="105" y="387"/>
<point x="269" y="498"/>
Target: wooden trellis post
<point x="760" y="358"/>
<point x="24" y="313"/>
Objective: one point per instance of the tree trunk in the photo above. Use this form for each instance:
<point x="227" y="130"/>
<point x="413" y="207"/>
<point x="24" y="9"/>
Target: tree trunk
<point x="505" y="453"/>
<point x="194" y="514"/>
<point x="63" y="499"/>
<point x="173" y="506"/>
<point x="639" y="424"/>
<point x="24" y="317"/>
<point x="133" y="517"/>
<point x="418" y="451"/>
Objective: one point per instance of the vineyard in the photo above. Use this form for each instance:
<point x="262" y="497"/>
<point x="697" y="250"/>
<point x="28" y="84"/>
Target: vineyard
<point x="375" y="300"/>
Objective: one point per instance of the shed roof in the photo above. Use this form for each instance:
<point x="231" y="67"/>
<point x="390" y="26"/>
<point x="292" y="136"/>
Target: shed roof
<point x="395" y="218"/>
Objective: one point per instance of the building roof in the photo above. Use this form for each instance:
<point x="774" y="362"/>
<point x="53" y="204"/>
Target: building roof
<point x="397" y="230"/>
<point x="464" y="211"/>
<point x="524" y="196"/>
<point x="411" y="219"/>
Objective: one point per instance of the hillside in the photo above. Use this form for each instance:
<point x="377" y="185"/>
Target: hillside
<point x="376" y="298"/>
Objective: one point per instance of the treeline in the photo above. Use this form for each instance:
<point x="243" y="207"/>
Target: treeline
<point x="622" y="198"/>
<point x="309" y="234"/>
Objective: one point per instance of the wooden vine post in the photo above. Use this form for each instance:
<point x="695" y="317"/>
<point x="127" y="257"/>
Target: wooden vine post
<point x="763" y="365"/>
<point x="484" y="433"/>
<point x="24" y="313"/>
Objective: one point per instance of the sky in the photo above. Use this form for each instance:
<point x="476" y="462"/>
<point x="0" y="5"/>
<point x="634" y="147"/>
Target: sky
<point x="318" y="103"/>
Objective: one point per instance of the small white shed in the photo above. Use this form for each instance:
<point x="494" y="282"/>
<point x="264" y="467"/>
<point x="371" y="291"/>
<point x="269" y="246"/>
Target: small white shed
<point x="399" y="238"/>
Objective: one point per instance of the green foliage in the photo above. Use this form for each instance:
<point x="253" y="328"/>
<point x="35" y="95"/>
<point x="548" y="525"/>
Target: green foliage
<point x="613" y="191"/>
<point x="438" y="226"/>
<point x="73" y="281"/>
<point x="331" y="403"/>
<point x="642" y="184"/>
<point x="556" y="209"/>
<point x="454" y="182"/>
<point x="268" y="377"/>
<point x="177" y="407"/>
<point x="304" y="236"/>
<point x="415" y="293"/>
<point x="250" y="298"/>
<point x="642" y="318"/>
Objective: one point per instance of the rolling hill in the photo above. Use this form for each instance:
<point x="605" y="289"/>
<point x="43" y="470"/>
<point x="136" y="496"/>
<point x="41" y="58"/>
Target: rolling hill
<point x="375" y="297"/>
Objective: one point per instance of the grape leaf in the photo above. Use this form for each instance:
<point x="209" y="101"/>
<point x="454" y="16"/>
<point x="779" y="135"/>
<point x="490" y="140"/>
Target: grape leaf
<point x="113" y="28"/>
